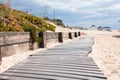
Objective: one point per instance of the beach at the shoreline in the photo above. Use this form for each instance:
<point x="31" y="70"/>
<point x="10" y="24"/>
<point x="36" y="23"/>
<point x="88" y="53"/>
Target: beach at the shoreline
<point x="106" y="53"/>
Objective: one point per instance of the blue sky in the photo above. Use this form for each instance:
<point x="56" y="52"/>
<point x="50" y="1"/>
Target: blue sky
<point x="81" y="13"/>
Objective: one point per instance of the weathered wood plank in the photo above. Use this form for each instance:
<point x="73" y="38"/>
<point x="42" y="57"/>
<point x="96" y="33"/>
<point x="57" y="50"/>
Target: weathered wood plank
<point x="69" y="61"/>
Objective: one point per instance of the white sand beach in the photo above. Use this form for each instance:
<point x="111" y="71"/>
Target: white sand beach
<point x="106" y="53"/>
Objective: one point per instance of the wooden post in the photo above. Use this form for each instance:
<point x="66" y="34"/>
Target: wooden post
<point x="60" y="37"/>
<point x="78" y="33"/>
<point x="70" y="35"/>
<point x="75" y="34"/>
<point x="42" y="44"/>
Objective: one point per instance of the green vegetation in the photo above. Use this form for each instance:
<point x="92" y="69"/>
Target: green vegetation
<point x="18" y="21"/>
<point x="55" y="21"/>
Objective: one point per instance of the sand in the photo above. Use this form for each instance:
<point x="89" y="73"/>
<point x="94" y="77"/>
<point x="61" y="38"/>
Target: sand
<point x="106" y="53"/>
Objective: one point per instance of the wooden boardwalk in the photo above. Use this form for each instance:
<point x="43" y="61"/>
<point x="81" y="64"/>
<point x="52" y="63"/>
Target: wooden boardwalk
<point x="69" y="61"/>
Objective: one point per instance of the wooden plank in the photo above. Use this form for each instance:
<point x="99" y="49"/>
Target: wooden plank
<point x="65" y="62"/>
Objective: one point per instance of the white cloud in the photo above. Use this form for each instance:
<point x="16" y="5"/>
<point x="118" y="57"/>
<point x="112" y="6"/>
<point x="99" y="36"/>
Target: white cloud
<point x="114" y="7"/>
<point x="91" y="7"/>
